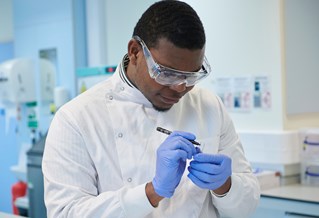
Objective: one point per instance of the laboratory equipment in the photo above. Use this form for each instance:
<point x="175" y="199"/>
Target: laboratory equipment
<point x="47" y="77"/>
<point x="87" y="77"/>
<point x="61" y="96"/>
<point x="20" y="172"/>
<point x="17" y="83"/>
<point x="18" y="190"/>
<point x="17" y="80"/>
<point x="277" y="151"/>
<point x="35" y="180"/>
<point x="282" y="146"/>
<point x="18" y="95"/>
<point x="310" y="158"/>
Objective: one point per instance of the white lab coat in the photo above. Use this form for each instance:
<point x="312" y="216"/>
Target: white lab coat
<point x="101" y="151"/>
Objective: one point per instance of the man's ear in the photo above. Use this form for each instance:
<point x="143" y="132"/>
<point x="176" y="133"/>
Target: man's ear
<point x="133" y="48"/>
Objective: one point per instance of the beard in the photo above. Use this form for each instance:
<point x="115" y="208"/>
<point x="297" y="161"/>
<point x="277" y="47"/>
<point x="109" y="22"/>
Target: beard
<point x="160" y="109"/>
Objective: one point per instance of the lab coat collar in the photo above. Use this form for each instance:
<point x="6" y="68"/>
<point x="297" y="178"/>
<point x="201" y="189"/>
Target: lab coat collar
<point x="126" y="90"/>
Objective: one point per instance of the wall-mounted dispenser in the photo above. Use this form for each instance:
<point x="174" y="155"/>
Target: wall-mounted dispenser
<point x="17" y="81"/>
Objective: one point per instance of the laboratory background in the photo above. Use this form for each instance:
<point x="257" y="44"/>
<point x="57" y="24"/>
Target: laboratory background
<point x="264" y="56"/>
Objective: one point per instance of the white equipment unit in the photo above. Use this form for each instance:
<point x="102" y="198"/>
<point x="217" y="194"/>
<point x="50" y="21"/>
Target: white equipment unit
<point x="47" y="77"/>
<point x="271" y="147"/>
<point x="17" y="81"/>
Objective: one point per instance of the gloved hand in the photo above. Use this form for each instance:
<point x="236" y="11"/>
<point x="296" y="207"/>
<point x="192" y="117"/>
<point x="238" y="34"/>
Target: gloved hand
<point x="209" y="171"/>
<point x="171" y="162"/>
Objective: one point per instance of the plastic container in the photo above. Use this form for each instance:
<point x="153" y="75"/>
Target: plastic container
<point x="312" y="175"/>
<point x="310" y="159"/>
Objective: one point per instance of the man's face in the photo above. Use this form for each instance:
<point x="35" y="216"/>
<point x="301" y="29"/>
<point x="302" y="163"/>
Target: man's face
<point x="163" y="97"/>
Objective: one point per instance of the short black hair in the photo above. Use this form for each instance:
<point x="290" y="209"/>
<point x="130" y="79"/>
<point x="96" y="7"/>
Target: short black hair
<point x="174" y="20"/>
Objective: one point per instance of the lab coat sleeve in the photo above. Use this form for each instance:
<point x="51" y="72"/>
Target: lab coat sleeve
<point x="70" y="178"/>
<point x="243" y="197"/>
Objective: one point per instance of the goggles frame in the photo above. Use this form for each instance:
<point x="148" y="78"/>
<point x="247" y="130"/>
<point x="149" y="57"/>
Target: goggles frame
<point x="169" y="77"/>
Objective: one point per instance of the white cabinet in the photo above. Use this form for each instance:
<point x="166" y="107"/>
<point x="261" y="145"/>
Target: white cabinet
<point x="289" y="201"/>
<point x="280" y="207"/>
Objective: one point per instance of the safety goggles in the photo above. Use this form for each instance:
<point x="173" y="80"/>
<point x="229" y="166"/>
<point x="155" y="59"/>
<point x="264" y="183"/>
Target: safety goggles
<point x="169" y="77"/>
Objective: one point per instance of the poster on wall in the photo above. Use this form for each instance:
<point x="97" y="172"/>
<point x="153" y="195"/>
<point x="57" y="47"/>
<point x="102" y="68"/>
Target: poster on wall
<point x="262" y="93"/>
<point x="223" y="88"/>
<point x="244" y="93"/>
<point x="235" y="92"/>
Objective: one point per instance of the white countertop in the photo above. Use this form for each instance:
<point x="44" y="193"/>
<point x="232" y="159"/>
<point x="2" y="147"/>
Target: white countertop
<point x="294" y="192"/>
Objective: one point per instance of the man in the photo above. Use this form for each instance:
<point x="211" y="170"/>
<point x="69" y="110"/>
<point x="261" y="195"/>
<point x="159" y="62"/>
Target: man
<point x="104" y="157"/>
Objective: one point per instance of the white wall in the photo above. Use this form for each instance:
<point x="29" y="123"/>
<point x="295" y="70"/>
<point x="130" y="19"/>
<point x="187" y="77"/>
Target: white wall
<point x="95" y="28"/>
<point x="122" y="16"/>
<point x="110" y="27"/>
<point x="243" y="38"/>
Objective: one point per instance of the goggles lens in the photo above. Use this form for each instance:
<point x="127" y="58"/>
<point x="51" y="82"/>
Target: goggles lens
<point x="167" y="76"/>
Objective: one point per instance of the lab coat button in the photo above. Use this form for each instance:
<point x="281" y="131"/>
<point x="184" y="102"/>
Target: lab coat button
<point x="120" y="135"/>
<point x="122" y="88"/>
<point x="111" y="97"/>
<point x="129" y="179"/>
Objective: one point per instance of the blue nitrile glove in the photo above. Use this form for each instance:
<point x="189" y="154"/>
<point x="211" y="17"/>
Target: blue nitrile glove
<point x="171" y="162"/>
<point x="210" y="171"/>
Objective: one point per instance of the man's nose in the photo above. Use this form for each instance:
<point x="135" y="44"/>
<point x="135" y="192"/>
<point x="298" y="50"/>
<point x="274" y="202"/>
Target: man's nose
<point x="178" y="88"/>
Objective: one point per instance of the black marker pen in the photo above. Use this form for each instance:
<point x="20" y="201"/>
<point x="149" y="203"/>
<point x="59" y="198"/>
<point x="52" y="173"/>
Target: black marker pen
<point x="167" y="132"/>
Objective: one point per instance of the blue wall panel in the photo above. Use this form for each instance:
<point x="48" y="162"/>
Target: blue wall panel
<point x="9" y="157"/>
<point x="6" y="51"/>
<point x="8" y="145"/>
